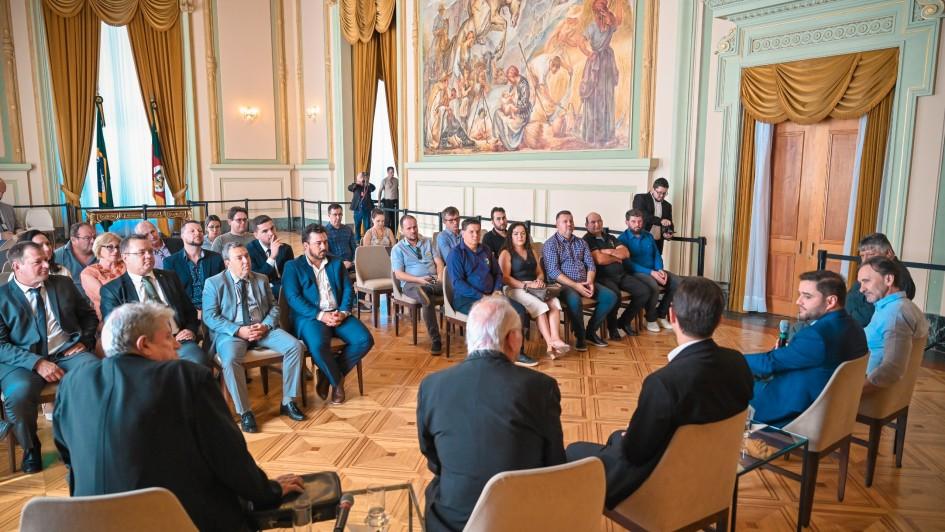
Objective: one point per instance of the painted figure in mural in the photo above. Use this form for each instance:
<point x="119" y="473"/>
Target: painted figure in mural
<point x="514" y="110"/>
<point x="441" y="41"/>
<point x="600" y="77"/>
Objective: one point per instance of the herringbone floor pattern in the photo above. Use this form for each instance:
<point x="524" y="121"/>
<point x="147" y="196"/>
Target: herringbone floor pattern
<point x="372" y="439"/>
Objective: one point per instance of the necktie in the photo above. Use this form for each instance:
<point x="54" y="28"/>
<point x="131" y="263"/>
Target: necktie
<point x="41" y="326"/>
<point x="150" y="293"/>
<point x="268" y="252"/>
<point x="244" y="302"/>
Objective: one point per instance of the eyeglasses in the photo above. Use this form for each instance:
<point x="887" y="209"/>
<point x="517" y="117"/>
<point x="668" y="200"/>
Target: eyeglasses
<point x="146" y="253"/>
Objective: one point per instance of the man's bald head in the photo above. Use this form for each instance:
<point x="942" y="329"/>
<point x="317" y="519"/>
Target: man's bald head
<point x="146" y="228"/>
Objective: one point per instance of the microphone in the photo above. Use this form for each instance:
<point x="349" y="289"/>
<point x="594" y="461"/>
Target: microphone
<point x="782" y="333"/>
<point x="344" y="506"/>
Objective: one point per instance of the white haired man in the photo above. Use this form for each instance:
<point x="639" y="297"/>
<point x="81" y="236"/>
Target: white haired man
<point x="174" y="433"/>
<point x="460" y="407"/>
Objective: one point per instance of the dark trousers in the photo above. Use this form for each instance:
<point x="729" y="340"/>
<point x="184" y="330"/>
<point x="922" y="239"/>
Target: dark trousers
<point x="424" y="294"/>
<point x="362" y="222"/>
<point x="317" y="337"/>
<point x="655" y="307"/>
<point x="606" y="298"/>
<point x="390" y="217"/>
<point x="639" y="296"/>
<point x="21" y="388"/>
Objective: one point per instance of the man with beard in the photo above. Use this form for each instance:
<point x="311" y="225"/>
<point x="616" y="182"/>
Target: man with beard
<point x="495" y="239"/>
<point x="194" y="264"/>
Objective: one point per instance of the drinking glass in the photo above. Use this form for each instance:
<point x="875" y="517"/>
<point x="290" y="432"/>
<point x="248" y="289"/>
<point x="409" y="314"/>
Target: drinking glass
<point x="377" y="518"/>
<point x="301" y="514"/>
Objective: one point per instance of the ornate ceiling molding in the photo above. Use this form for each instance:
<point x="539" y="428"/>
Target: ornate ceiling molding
<point x="731" y="9"/>
<point x="824" y="34"/>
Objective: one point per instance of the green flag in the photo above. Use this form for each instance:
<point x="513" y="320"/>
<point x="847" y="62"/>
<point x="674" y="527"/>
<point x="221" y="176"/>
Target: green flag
<point x="105" y="198"/>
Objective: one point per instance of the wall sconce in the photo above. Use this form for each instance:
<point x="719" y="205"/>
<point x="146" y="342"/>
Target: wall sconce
<point x="249" y="114"/>
<point x="312" y="112"/>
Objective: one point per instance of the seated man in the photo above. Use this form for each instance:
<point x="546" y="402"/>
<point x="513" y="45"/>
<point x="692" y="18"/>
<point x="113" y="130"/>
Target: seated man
<point x="194" y="264"/>
<point x="46" y="328"/>
<point x="268" y="252"/>
<point x="341" y="239"/>
<point x="142" y="282"/>
<point x="474" y="273"/>
<point x="448" y="238"/>
<point x="876" y="245"/>
<point x="140" y="418"/>
<point x="241" y="313"/>
<point x="468" y="432"/>
<point x="238" y="218"/>
<point x="77" y="253"/>
<point x="568" y="261"/>
<point x="646" y="264"/>
<point x="609" y="254"/>
<point x="320" y="297"/>
<point x="163" y="247"/>
<point x="702" y="383"/>
<point x="412" y="262"/>
<point x="895" y="325"/>
<point x="788" y="379"/>
<point x="495" y="239"/>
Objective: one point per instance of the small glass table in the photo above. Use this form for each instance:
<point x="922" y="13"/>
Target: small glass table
<point x="762" y="445"/>
<point x="400" y="505"/>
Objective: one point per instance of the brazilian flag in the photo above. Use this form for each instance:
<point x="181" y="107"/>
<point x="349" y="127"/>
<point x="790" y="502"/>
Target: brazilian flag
<point x="105" y="198"/>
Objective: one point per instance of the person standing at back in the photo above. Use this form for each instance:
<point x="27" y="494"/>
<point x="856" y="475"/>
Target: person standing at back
<point x="658" y="213"/>
<point x="361" y="202"/>
<point x="390" y="198"/>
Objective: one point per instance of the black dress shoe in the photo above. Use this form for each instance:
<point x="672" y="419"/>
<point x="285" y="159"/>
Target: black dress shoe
<point x="321" y="385"/>
<point x="291" y="410"/>
<point x="436" y="349"/>
<point x="338" y="393"/>
<point x="614" y="333"/>
<point x="248" y="423"/>
<point x="580" y="346"/>
<point x="627" y="328"/>
<point x="595" y="339"/>
<point x="33" y="460"/>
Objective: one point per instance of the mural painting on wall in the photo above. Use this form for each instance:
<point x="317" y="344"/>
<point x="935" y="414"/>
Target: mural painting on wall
<point x="526" y="75"/>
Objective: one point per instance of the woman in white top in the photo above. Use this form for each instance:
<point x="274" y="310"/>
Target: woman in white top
<point x="379" y="234"/>
<point x="521" y="269"/>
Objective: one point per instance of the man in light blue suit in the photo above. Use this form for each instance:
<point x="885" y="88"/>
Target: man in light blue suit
<point x="789" y="379"/>
<point x="320" y="297"/>
<point x="241" y="312"/>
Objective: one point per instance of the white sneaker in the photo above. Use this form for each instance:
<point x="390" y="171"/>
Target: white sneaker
<point x="652" y="326"/>
<point x="664" y="323"/>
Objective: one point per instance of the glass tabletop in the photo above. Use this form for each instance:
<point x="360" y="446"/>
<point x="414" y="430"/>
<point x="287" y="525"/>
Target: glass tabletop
<point x="401" y="510"/>
<point x="763" y="444"/>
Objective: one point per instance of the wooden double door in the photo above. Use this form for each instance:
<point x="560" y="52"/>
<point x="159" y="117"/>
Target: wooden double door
<point x="811" y="181"/>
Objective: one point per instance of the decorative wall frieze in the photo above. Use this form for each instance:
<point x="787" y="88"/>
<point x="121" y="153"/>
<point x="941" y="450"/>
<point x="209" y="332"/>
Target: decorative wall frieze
<point x="728" y="43"/>
<point x="763" y="11"/>
<point x="875" y="26"/>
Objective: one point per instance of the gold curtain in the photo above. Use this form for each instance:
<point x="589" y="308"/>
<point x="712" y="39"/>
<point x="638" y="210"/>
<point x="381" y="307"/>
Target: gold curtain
<point x="388" y="53"/>
<point x="364" y="70"/>
<point x="360" y="19"/>
<point x="806" y="92"/>
<point x="159" y="14"/>
<point x="159" y="61"/>
<point x="73" y="42"/>
<point x="742" y="229"/>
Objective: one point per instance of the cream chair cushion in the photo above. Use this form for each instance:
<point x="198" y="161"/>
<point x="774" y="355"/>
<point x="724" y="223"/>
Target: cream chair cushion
<point x="145" y="510"/>
<point x="694" y="478"/>
<point x="885" y="402"/>
<point x="563" y="497"/>
<point x="372" y="263"/>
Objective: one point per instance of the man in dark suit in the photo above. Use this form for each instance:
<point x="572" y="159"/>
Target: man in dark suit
<point x="702" y="383"/>
<point x="162" y="247"/>
<point x="193" y="264"/>
<point x="143" y="282"/>
<point x="46" y="329"/>
<point x="320" y="297"/>
<point x="140" y="418"/>
<point x="268" y="252"/>
<point x="658" y="219"/>
<point x="789" y="379"/>
<point x="469" y="432"/>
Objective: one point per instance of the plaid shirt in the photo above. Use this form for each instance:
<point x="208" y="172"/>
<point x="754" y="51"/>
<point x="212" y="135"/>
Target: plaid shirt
<point x="341" y="242"/>
<point x="569" y="257"/>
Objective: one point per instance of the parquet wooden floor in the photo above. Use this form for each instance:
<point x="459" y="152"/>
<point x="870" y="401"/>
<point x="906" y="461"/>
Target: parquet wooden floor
<point x="372" y="439"/>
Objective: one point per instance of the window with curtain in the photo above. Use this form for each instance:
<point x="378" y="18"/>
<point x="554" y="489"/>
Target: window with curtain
<point x="382" y="149"/>
<point x="127" y="130"/>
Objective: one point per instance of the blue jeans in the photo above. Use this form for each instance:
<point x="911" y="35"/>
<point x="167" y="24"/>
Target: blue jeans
<point x="606" y="301"/>
<point x="362" y="222"/>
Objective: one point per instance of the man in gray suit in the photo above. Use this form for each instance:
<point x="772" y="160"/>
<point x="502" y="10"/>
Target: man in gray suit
<point x="9" y="225"/>
<point x="241" y="312"/>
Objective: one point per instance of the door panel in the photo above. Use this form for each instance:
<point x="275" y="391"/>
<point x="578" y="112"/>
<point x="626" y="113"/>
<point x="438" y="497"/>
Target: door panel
<point x="841" y="156"/>
<point x="788" y="230"/>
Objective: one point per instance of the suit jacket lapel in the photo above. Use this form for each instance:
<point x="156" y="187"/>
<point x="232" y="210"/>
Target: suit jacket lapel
<point x="13" y="290"/>
<point x="131" y="295"/>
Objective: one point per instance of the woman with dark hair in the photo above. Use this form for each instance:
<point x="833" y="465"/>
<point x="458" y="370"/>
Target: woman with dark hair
<point x="521" y="270"/>
<point x="379" y="234"/>
<point x="213" y="227"/>
<point x="39" y="238"/>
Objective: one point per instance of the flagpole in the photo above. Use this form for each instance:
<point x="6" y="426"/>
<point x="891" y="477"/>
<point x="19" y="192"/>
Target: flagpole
<point x="157" y="159"/>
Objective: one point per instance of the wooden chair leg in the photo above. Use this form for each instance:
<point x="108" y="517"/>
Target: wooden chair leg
<point x="872" y="450"/>
<point x="375" y="310"/>
<point x="808" y="484"/>
<point x="721" y="524"/>
<point x="397" y="321"/>
<point x="900" y="439"/>
<point x="390" y="304"/>
<point x="844" y="462"/>
<point x="357" y="302"/>
<point x="449" y="334"/>
<point x="302" y="383"/>
<point x="414" y="318"/>
<point x="360" y="379"/>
